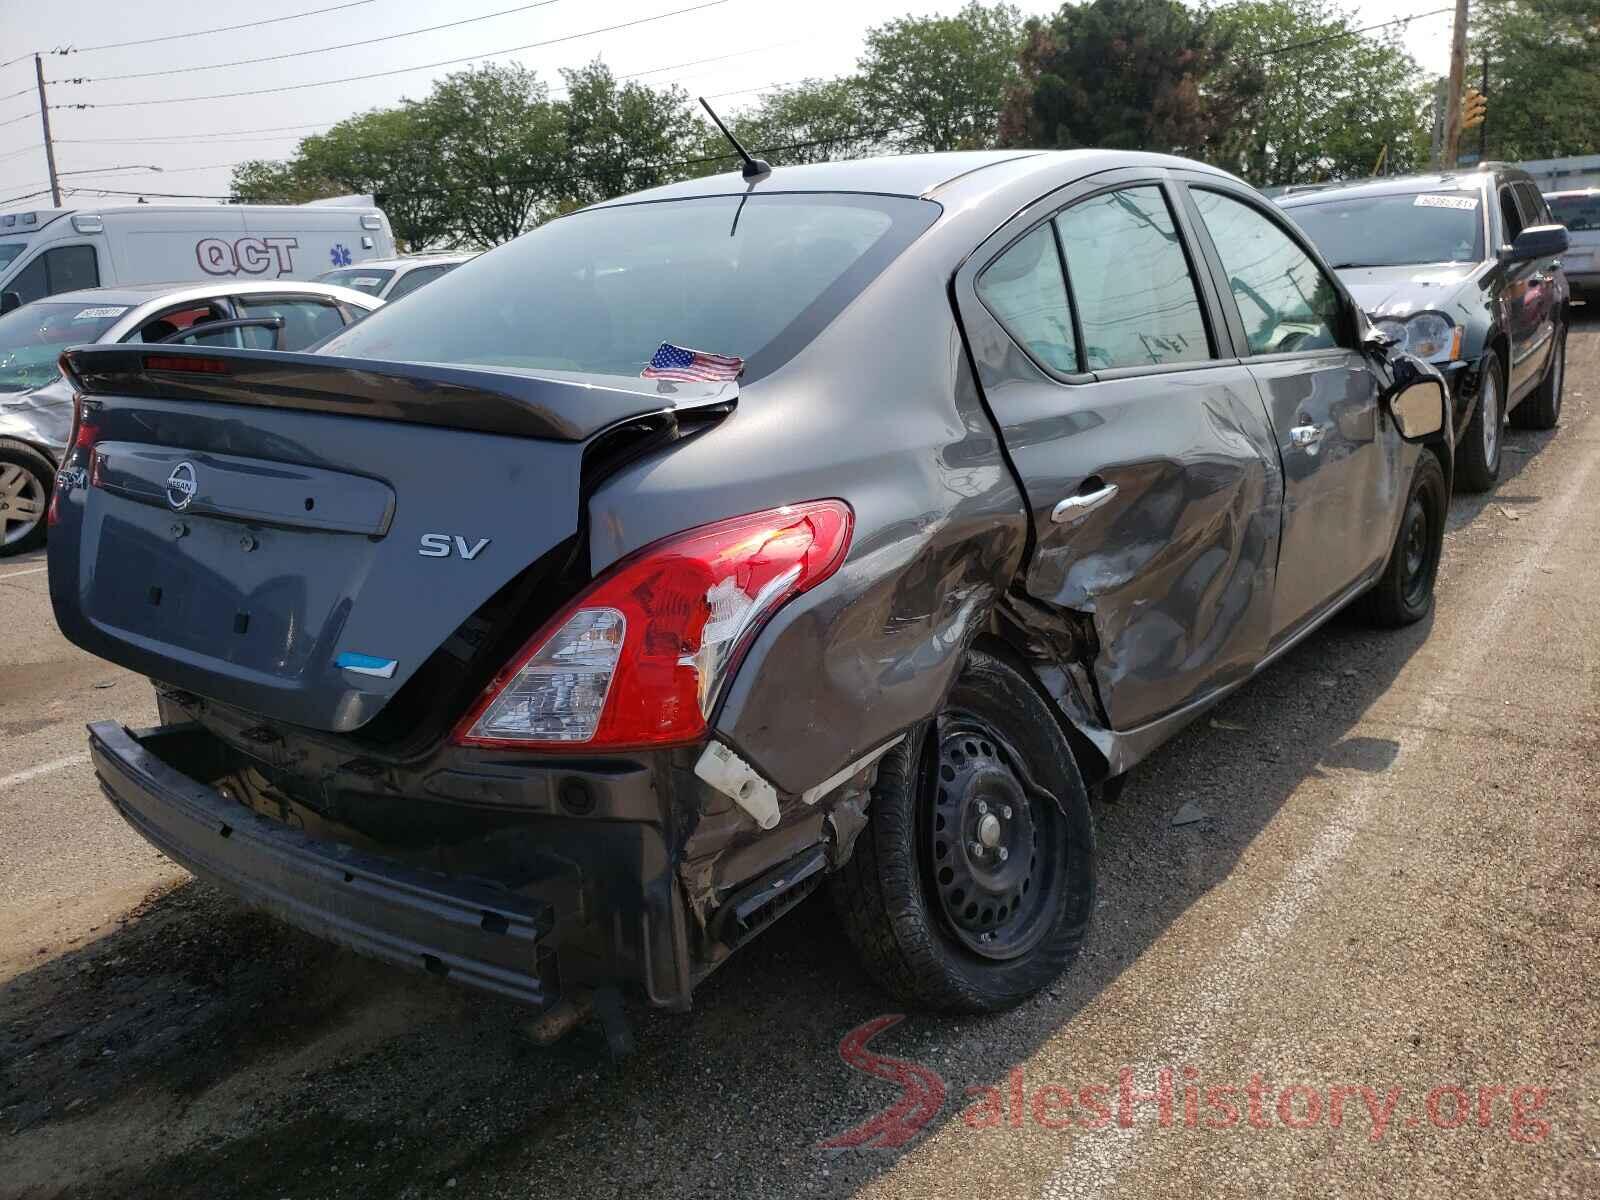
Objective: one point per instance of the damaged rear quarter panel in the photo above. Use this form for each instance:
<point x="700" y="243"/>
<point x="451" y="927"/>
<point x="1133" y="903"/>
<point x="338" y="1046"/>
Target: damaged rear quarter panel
<point x="881" y="411"/>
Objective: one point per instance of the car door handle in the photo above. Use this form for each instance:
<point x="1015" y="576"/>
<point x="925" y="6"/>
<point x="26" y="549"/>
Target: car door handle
<point x="1307" y="437"/>
<point x="1077" y="505"/>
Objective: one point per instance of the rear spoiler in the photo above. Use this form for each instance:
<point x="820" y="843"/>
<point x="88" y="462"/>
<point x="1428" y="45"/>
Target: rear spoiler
<point x="556" y="405"/>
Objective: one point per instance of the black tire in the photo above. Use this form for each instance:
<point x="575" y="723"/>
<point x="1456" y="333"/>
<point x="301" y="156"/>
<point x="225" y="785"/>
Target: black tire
<point x="26" y="478"/>
<point x="1478" y="453"/>
<point x="894" y="896"/>
<point x="1541" y="409"/>
<point x="1404" y="592"/>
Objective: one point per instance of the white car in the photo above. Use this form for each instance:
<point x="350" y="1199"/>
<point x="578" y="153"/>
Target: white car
<point x="36" y="403"/>
<point x="1579" y="211"/>
<point x="391" y="278"/>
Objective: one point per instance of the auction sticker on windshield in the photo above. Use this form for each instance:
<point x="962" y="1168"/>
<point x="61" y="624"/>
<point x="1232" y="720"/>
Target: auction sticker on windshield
<point x="1464" y="202"/>
<point x="89" y="314"/>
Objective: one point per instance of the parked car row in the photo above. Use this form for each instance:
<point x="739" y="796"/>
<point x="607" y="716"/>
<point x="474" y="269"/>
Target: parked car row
<point x="560" y="628"/>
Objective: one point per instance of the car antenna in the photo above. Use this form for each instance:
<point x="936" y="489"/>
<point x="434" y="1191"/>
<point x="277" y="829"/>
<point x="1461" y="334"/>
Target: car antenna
<point x="754" y="168"/>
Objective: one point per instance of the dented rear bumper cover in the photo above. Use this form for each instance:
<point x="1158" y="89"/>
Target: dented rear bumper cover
<point x="475" y="933"/>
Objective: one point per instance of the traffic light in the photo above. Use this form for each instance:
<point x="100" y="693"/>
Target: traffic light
<point x="1473" y="108"/>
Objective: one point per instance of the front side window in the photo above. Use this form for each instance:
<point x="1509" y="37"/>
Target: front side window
<point x="1025" y="290"/>
<point x="598" y="291"/>
<point x="9" y="252"/>
<point x="363" y="279"/>
<point x="64" y="269"/>
<point x="1136" y="297"/>
<point x="1398" y="230"/>
<point x="1285" y="301"/>
<point x="412" y="280"/>
<point x="1510" y="214"/>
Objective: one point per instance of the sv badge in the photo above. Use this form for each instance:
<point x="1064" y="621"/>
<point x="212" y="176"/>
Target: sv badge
<point x="442" y="545"/>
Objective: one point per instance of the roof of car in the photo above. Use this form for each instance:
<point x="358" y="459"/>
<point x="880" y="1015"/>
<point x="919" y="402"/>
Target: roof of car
<point x="143" y="293"/>
<point x="1399" y="185"/>
<point x="1563" y="193"/>
<point x="412" y="260"/>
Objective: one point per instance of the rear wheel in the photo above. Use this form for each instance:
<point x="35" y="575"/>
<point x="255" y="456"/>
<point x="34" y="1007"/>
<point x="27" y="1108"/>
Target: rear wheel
<point x="972" y="886"/>
<point x="1478" y="454"/>
<point x="1542" y="409"/>
<point x="26" y="477"/>
<point x="1404" y="592"/>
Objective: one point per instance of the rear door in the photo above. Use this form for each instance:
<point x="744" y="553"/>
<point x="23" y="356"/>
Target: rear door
<point x="1139" y="436"/>
<point x="1321" y="395"/>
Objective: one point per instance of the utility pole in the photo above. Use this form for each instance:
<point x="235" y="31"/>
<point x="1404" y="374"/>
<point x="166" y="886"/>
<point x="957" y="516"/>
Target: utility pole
<point x="1483" y="125"/>
<point x="1458" y="75"/>
<point x="49" y="146"/>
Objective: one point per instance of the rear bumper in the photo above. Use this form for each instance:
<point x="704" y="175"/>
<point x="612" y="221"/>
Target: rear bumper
<point x="475" y="933"/>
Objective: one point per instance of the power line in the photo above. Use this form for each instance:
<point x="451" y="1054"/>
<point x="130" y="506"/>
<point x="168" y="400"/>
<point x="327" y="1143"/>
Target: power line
<point x="15" y="94"/>
<point x="172" y="37"/>
<point x="245" y="62"/>
<point x="1347" y="33"/>
<point x="14" y="120"/>
<point x="449" y="62"/>
<point x="220" y="133"/>
<point x="29" y="196"/>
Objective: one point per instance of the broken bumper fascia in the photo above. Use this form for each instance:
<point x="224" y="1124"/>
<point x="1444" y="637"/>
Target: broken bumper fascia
<point x="477" y="934"/>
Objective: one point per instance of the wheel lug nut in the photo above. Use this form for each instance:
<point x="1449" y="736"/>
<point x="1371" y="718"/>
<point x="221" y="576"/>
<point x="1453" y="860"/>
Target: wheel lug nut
<point x="1004" y="854"/>
<point x="982" y="808"/>
<point x="977" y="849"/>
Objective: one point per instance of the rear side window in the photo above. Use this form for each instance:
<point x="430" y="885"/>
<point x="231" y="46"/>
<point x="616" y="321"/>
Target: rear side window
<point x="598" y="291"/>
<point x="1285" y="301"/>
<point x="64" y="269"/>
<point x="304" y="322"/>
<point x="1580" y="214"/>
<point x="1533" y="206"/>
<point x="412" y="280"/>
<point x="1136" y="297"/>
<point x="1025" y="290"/>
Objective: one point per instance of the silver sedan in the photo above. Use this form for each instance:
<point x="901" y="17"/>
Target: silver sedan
<point x="36" y="404"/>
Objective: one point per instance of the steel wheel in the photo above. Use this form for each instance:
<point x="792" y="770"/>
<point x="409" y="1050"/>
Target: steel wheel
<point x="1492" y="417"/>
<point x="1416" y="548"/>
<point x="22" y="503"/>
<point x="996" y="893"/>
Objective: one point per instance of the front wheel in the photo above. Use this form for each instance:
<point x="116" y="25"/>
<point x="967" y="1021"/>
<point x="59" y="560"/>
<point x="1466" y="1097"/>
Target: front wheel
<point x="1404" y="592"/>
<point x="1478" y="454"/>
<point x="973" y="884"/>
<point x="26" y="477"/>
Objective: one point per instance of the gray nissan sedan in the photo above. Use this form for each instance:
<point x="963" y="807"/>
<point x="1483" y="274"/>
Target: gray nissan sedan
<point x="845" y="525"/>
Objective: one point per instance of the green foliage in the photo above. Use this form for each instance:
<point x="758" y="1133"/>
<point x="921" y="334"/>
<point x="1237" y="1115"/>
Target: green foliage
<point x="946" y="77"/>
<point x="1544" y="76"/>
<point x="1129" y="74"/>
<point x="1330" y="99"/>
<point x="622" y="137"/>
<point x="809" y="122"/>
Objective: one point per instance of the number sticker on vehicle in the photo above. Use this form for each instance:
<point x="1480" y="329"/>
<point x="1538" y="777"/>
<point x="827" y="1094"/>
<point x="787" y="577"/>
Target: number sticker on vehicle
<point x="1463" y="202"/>
<point x="88" y="314"/>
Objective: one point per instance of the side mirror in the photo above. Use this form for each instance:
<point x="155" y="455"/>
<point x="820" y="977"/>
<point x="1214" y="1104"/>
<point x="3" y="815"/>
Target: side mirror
<point x="1539" y="241"/>
<point x="1419" y="401"/>
<point x="9" y="301"/>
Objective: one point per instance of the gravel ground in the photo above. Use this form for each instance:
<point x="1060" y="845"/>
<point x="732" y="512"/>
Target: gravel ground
<point x="1383" y="899"/>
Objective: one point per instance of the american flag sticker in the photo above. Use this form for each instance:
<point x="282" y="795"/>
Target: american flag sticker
<point x="691" y="366"/>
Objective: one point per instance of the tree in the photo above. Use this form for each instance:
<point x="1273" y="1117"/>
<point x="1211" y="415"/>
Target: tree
<point x="1128" y="74"/>
<point x="946" y="77"/>
<point x="389" y="154"/>
<point x="623" y="136"/>
<point x="814" y="121"/>
<point x="261" y="181"/>
<point x="1544" y="76"/>
<point x="1331" y="98"/>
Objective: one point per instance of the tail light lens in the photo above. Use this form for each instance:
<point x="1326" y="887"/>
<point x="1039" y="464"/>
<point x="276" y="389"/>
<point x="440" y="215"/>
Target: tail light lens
<point x="640" y="658"/>
<point x="80" y="442"/>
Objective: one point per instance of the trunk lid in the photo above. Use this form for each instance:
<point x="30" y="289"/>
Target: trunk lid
<point x="297" y="534"/>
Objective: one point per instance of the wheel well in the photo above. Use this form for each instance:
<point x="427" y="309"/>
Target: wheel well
<point x="1092" y="763"/>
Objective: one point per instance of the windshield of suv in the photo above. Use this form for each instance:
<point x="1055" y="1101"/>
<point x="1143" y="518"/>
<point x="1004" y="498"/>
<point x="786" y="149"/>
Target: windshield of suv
<point x="1392" y="231"/>
<point x="9" y="252"/>
<point x="599" y="291"/>
<point x="32" y="338"/>
<point x="363" y="279"/>
<point x="1580" y="214"/>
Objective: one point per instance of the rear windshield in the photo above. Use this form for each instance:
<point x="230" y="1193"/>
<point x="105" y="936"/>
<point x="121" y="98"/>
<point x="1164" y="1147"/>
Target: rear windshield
<point x="9" y="252"/>
<point x="1580" y="214"/>
<point x="369" y="281"/>
<point x="1392" y="231"/>
<point x="599" y="291"/>
<point x="32" y="338"/>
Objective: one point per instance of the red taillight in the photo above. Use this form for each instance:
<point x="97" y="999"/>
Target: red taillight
<point x="80" y="445"/>
<point x="640" y="658"/>
<point x="179" y="362"/>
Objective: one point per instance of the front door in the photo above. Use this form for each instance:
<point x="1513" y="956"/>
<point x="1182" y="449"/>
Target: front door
<point x="1149" y="467"/>
<point x="1321" y="395"/>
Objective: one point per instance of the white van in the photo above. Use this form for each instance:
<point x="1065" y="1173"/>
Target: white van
<point x="54" y="250"/>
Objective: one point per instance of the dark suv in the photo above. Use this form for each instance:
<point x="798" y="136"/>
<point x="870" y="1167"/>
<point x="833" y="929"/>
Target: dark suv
<point x="1464" y="271"/>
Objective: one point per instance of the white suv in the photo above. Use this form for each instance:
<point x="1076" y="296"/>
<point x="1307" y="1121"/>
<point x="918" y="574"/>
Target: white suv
<point x="391" y="278"/>
<point x="1579" y="211"/>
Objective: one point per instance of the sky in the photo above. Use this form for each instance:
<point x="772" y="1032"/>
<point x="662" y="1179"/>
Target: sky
<point x="192" y="132"/>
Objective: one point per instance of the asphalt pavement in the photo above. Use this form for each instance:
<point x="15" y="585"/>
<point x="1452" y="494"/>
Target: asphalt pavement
<point x="1347" y="946"/>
